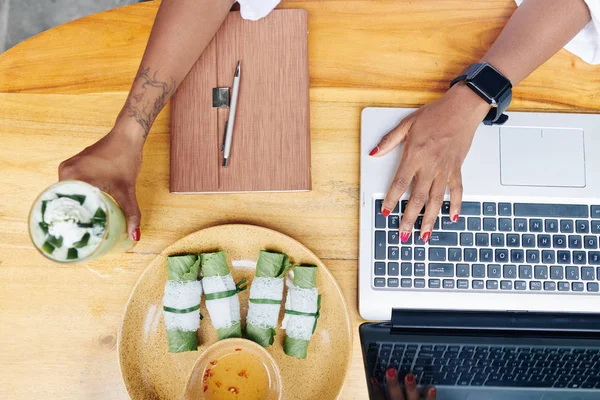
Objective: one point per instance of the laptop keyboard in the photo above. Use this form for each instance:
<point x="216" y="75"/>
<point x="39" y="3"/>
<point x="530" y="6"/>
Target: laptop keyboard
<point x="504" y="247"/>
<point x="514" y="366"/>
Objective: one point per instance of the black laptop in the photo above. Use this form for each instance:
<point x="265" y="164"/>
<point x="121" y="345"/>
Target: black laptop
<point x="487" y="355"/>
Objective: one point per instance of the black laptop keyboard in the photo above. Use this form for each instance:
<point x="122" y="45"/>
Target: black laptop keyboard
<point x="498" y="366"/>
<point x="502" y="247"/>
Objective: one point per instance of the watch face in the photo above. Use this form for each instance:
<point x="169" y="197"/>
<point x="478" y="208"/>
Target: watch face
<point x="490" y="81"/>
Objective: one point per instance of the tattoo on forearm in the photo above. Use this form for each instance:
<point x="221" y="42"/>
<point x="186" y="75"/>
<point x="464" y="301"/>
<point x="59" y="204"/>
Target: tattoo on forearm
<point x="148" y="97"/>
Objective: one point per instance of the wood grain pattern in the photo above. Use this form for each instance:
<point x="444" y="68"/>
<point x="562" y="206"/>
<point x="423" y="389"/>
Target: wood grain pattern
<point x="271" y="140"/>
<point x="61" y="91"/>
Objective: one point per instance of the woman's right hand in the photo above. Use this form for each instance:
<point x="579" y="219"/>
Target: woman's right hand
<point x="395" y="390"/>
<point x="112" y="164"/>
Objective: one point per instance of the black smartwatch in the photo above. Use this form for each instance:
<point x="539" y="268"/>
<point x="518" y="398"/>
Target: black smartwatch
<point x="491" y="86"/>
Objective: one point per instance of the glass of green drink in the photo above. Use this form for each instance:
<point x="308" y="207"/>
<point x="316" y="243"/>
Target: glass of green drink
<point x="73" y="222"/>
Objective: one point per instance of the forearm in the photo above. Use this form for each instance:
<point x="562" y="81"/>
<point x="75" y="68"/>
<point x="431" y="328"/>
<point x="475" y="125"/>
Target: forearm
<point x="181" y="32"/>
<point x="535" y="32"/>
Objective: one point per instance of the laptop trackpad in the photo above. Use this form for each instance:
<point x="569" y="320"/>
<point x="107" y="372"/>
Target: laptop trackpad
<point x="542" y="157"/>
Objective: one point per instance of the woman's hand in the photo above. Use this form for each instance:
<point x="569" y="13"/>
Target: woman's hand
<point x="438" y="137"/>
<point x="395" y="390"/>
<point x="111" y="164"/>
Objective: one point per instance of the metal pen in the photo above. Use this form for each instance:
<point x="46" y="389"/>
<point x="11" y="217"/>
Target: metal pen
<point x="231" y="120"/>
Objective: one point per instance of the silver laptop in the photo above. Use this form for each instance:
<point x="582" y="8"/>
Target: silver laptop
<point x="527" y="241"/>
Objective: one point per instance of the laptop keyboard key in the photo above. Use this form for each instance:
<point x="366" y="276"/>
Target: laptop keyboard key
<point x="588" y="273"/>
<point x="535" y="285"/>
<point x="474" y="224"/>
<point x="594" y="258"/>
<point x="419" y="283"/>
<point x="491" y="285"/>
<point x="549" y="286"/>
<point x="454" y="254"/>
<point x="482" y="239"/>
<point x="449" y="225"/>
<point x="466" y="239"/>
<point x="572" y="273"/>
<point x="556" y="272"/>
<point x="533" y="256"/>
<point x="590" y="242"/>
<point x="489" y="224"/>
<point x="544" y="241"/>
<point x="379" y="218"/>
<point x="520" y="285"/>
<point x="577" y="286"/>
<point x="550" y="210"/>
<point x="470" y="255"/>
<point x="380" y="245"/>
<point x="566" y="226"/>
<point x="394" y="221"/>
<point x="540" y="272"/>
<point x="419" y="269"/>
<point x="489" y="208"/>
<point x="462" y="270"/>
<point x="559" y="241"/>
<point x="536" y="225"/>
<point x="477" y="284"/>
<point x="505" y="209"/>
<point x="563" y="257"/>
<point x="506" y="285"/>
<point x="442" y="270"/>
<point x="448" y="283"/>
<point x="434" y="283"/>
<point x="443" y="239"/>
<point x="505" y="225"/>
<point x="513" y="240"/>
<point x="405" y="282"/>
<point x="379" y="268"/>
<point x="517" y="255"/>
<point x="406" y="254"/>
<point x="548" y="256"/>
<point x="563" y="286"/>
<point x="509" y="271"/>
<point x="379" y="282"/>
<point x="592" y="287"/>
<point x="478" y="271"/>
<point x="579" y="257"/>
<point x="582" y="226"/>
<point x="462" y="284"/>
<point x="520" y="225"/>
<point x="470" y="208"/>
<point x="437" y="254"/>
<point x="393" y="253"/>
<point x="493" y="271"/>
<point x="393" y="282"/>
<point x="551" y="225"/>
<point x="528" y="240"/>
<point x="575" y="242"/>
<point x="486" y="255"/>
<point x="497" y="240"/>
<point x="525" y="272"/>
<point x="406" y="269"/>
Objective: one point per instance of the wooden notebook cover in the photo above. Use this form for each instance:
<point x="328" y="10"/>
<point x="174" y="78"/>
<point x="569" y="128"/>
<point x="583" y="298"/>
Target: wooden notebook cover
<point x="271" y="139"/>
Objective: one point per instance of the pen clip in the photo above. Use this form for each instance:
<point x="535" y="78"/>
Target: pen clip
<point x="224" y="138"/>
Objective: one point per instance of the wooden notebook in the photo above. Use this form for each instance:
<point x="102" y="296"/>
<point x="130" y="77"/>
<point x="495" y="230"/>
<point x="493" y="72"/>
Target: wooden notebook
<point x="271" y="139"/>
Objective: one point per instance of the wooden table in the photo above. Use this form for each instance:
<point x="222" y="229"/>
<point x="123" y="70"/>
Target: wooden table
<point x="61" y="91"/>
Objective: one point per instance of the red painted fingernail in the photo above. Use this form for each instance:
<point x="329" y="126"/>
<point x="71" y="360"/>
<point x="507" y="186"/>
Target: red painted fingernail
<point x="410" y="378"/>
<point x="374" y="151"/>
<point x="373" y="381"/>
<point x="404" y="237"/>
<point x="455" y="218"/>
<point x="426" y="236"/>
<point x="432" y="391"/>
<point x="391" y="373"/>
<point x="136" y="234"/>
<point x="385" y="212"/>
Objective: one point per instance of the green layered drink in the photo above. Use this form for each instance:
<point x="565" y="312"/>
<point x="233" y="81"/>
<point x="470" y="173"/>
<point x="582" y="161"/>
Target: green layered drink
<point x="73" y="221"/>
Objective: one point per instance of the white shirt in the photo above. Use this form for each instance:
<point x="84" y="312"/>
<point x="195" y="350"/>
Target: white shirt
<point x="586" y="45"/>
<point x="256" y="9"/>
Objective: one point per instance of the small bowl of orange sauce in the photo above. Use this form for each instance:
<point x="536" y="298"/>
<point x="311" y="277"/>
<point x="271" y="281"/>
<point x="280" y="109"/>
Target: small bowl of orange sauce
<point x="234" y="369"/>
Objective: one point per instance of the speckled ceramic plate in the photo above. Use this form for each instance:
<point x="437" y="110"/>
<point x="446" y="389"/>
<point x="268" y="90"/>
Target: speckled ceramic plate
<point x="151" y="372"/>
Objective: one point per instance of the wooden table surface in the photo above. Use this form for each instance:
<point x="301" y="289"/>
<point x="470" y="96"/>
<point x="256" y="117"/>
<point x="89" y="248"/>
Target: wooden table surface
<point x="61" y="91"/>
